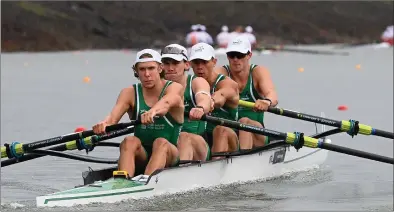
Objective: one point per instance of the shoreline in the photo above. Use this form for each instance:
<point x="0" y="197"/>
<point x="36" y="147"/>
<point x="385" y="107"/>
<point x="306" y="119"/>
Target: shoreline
<point x="69" y="26"/>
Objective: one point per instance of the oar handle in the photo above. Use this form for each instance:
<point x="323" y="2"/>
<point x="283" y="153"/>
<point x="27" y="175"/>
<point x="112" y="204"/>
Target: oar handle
<point x="122" y="125"/>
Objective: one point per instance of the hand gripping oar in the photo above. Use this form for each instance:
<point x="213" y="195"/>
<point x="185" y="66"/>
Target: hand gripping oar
<point x="352" y="127"/>
<point x="297" y="139"/>
<point x="86" y="143"/>
<point x="16" y="149"/>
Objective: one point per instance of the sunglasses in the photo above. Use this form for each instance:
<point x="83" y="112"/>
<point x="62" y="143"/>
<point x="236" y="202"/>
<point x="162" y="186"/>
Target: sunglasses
<point x="238" y="55"/>
<point x="173" y="50"/>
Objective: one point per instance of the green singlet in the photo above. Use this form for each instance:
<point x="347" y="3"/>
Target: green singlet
<point x="164" y="127"/>
<point x="250" y="94"/>
<point x="195" y="127"/>
<point x="223" y="112"/>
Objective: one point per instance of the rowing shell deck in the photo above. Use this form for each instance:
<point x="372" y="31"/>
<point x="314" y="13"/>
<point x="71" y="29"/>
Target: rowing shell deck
<point x="273" y="161"/>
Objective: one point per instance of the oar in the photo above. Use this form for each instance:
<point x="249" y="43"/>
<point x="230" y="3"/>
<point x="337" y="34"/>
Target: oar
<point x="351" y="127"/>
<point x="16" y="149"/>
<point x="80" y="144"/>
<point x="297" y="139"/>
<point x="307" y="51"/>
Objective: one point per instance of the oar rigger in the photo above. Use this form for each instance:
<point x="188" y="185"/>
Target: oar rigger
<point x="298" y="142"/>
<point x="12" y="151"/>
<point x="87" y="144"/>
<point x="353" y="128"/>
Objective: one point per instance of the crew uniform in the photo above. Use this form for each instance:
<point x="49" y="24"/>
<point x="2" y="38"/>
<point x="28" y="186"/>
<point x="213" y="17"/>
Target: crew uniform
<point x="223" y="112"/>
<point x="193" y="126"/>
<point x="163" y="127"/>
<point x="250" y="94"/>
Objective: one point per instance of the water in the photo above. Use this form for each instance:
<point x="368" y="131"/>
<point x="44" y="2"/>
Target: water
<point x="43" y="95"/>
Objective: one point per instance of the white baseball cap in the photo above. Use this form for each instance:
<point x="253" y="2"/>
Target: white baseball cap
<point x="249" y="29"/>
<point x="224" y="28"/>
<point x="202" y="51"/>
<point x="155" y="56"/>
<point x="174" y="51"/>
<point x="239" y="44"/>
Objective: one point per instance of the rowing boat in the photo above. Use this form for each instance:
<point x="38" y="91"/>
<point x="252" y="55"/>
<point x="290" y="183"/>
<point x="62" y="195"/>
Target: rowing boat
<point x="273" y="160"/>
<point x="269" y="162"/>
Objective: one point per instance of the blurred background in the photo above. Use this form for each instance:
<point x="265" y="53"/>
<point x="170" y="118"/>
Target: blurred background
<point x="70" y="25"/>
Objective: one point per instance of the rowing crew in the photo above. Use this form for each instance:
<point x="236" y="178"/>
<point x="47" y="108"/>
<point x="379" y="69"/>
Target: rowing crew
<point x="165" y="91"/>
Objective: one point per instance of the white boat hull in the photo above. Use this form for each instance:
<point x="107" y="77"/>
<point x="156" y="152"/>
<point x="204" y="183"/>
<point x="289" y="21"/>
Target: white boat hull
<point x="257" y="166"/>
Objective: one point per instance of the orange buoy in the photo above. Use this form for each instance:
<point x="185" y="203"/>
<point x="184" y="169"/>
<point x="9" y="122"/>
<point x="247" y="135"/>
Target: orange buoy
<point x="300" y="69"/>
<point x="80" y="129"/>
<point x="86" y="79"/>
<point x="342" y="107"/>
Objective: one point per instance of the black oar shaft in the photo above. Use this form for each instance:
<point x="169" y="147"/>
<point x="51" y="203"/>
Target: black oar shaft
<point x="31" y="156"/>
<point x="383" y="133"/>
<point x="296" y="139"/>
<point x="305" y="117"/>
<point x="19" y="149"/>
<point x="249" y="128"/>
<point x="356" y="153"/>
<point x="351" y="127"/>
<point x="66" y="146"/>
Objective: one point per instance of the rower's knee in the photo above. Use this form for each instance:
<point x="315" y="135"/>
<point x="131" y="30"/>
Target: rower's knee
<point x="130" y="143"/>
<point x="220" y="131"/>
<point x="244" y="120"/>
<point x="184" y="139"/>
<point x="160" y="144"/>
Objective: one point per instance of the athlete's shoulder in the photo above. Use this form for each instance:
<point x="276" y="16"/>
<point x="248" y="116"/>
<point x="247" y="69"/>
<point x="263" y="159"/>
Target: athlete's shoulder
<point x="228" y="82"/>
<point x="126" y="95"/>
<point x="199" y="83"/>
<point x="259" y="70"/>
<point x="221" y="70"/>
<point x="129" y="89"/>
<point x="174" y="86"/>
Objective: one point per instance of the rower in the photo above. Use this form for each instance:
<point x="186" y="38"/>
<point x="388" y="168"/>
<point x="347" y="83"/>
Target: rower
<point x="255" y="85"/>
<point x="222" y="37"/>
<point x="191" y="37"/>
<point x="388" y="35"/>
<point x="222" y="89"/>
<point x="197" y="100"/>
<point x="154" y="141"/>
<point x="249" y="34"/>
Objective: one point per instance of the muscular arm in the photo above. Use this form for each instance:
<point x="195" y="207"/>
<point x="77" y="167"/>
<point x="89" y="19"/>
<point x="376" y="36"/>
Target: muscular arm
<point x="172" y="99"/>
<point x="202" y="99"/>
<point x="265" y="87"/>
<point x="227" y="92"/>
<point x="123" y="103"/>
